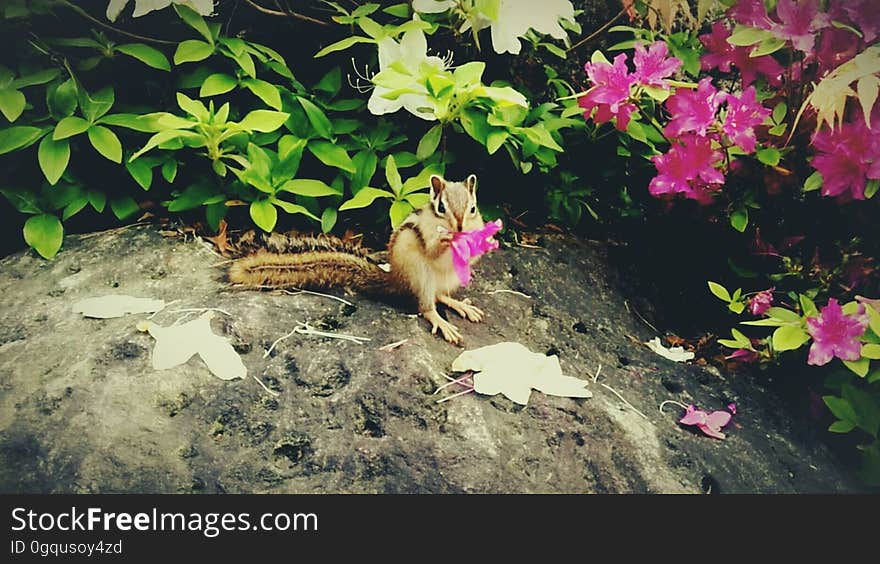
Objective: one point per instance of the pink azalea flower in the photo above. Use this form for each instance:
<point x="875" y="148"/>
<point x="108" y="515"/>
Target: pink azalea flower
<point x="731" y="407"/>
<point x="743" y="114"/>
<point x="800" y="20"/>
<point x="865" y="15"/>
<point x="709" y="423"/>
<point x="611" y="91"/>
<point x="468" y="245"/>
<point x="742" y="355"/>
<point x="721" y="55"/>
<point x="752" y="13"/>
<point x="688" y="168"/>
<point x="836" y="334"/>
<point x="654" y="65"/>
<point x="693" y="111"/>
<point x="761" y="302"/>
<point x="836" y="46"/>
<point x="847" y="156"/>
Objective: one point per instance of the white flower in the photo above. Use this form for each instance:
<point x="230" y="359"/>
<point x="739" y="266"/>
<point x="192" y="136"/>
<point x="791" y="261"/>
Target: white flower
<point x="432" y="6"/>
<point x="512" y="20"/>
<point x="141" y="7"/>
<point x="515" y="17"/>
<point x="402" y="68"/>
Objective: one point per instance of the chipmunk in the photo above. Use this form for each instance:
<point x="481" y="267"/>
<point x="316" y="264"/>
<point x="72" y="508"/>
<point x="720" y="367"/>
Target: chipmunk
<point x="418" y="252"/>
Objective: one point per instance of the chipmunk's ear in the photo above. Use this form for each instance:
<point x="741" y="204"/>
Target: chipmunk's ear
<point x="437" y="186"/>
<point x="471" y="184"/>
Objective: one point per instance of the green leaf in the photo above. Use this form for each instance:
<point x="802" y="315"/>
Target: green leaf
<point x="53" y="157"/>
<point x="767" y="46"/>
<point x="169" y="170"/>
<point x="743" y="36"/>
<point x="418" y="199"/>
<point x="12" y="103"/>
<point x="98" y="200"/>
<point x="291" y="208"/>
<point x="873" y="319"/>
<point x="871" y="188"/>
<point x="317" y="118"/>
<point x="841" y="408"/>
<point x="365" y="197"/>
<point x="141" y="171"/>
<point x="106" y="142"/>
<point x="343" y="44"/>
<point x="191" y="51"/>
<point x="214" y="213"/>
<point x="779" y="112"/>
<point x="330" y="82"/>
<point x="328" y="219"/>
<point x="193" y="196"/>
<point x="39" y="77"/>
<point x="264" y="91"/>
<point x="309" y="187"/>
<point x="765" y="323"/>
<point x="18" y="137"/>
<point x="736" y="307"/>
<point x="366" y="162"/>
<point x="496" y="139"/>
<point x="783" y="314"/>
<point x="160" y="138"/>
<point x="146" y="123"/>
<point x="194" y="20"/>
<point x="739" y="219"/>
<point x="866" y="408"/>
<point x="429" y="142"/>
<point x="96" y="105"/>
<point x="75" y="206"/>
<point x="21" y="199"/>
<point x="61" y="99"/>
<point x="44" y="233"/>
<point x="148" y="55"/>
<point x="769" y="156"/>
<point x="263" y="121"/>
<point x="859" y="367"/>
<point x="392" y="175"/>
<point x="264" y="214"/>
<point x="399" y="211"/>
<point x="720" y="291"/>
<point x="789" y="337"/>
<point x="194" y="108"/>
<point x="871" y="351"/>
<point x="70" y="126"/>
<point x="842" y="427"/>
<point x="217" y="83"/>
<point x="398" y="10"/>
<point x="657" y="93"/>
<point x="290" y="150"/>
<point x="813" y="182"/>
<point x="246" y="63"/>
<point x="332" y="155"/>
<point x="124" y="207"/>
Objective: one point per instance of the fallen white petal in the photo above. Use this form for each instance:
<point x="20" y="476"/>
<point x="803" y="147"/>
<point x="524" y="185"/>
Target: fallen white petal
<point x="178" y="343"/>
<point x="116" y="305"/>
<point x="675" y="354"/>
<point x="513" y="370"/>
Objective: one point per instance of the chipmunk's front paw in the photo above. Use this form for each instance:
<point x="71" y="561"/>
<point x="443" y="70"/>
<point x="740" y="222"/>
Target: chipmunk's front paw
<point x="463" y="308"/>
<point x="470" y="312"/>
<point x="450" y="332"/>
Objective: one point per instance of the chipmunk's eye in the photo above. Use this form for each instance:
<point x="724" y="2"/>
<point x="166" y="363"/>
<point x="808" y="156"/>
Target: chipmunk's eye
<point x="473" y="210"/>
<point x="441" y="208"/>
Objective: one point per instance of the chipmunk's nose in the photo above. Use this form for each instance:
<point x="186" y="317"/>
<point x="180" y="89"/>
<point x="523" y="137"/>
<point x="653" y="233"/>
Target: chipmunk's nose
<point x="459" y="221"/>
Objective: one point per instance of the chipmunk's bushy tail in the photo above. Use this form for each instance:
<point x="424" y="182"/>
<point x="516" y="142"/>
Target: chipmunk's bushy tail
<point x="311" y="263"/>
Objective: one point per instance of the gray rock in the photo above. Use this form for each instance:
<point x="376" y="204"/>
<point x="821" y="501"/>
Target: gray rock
<point x="81" y="410"/>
